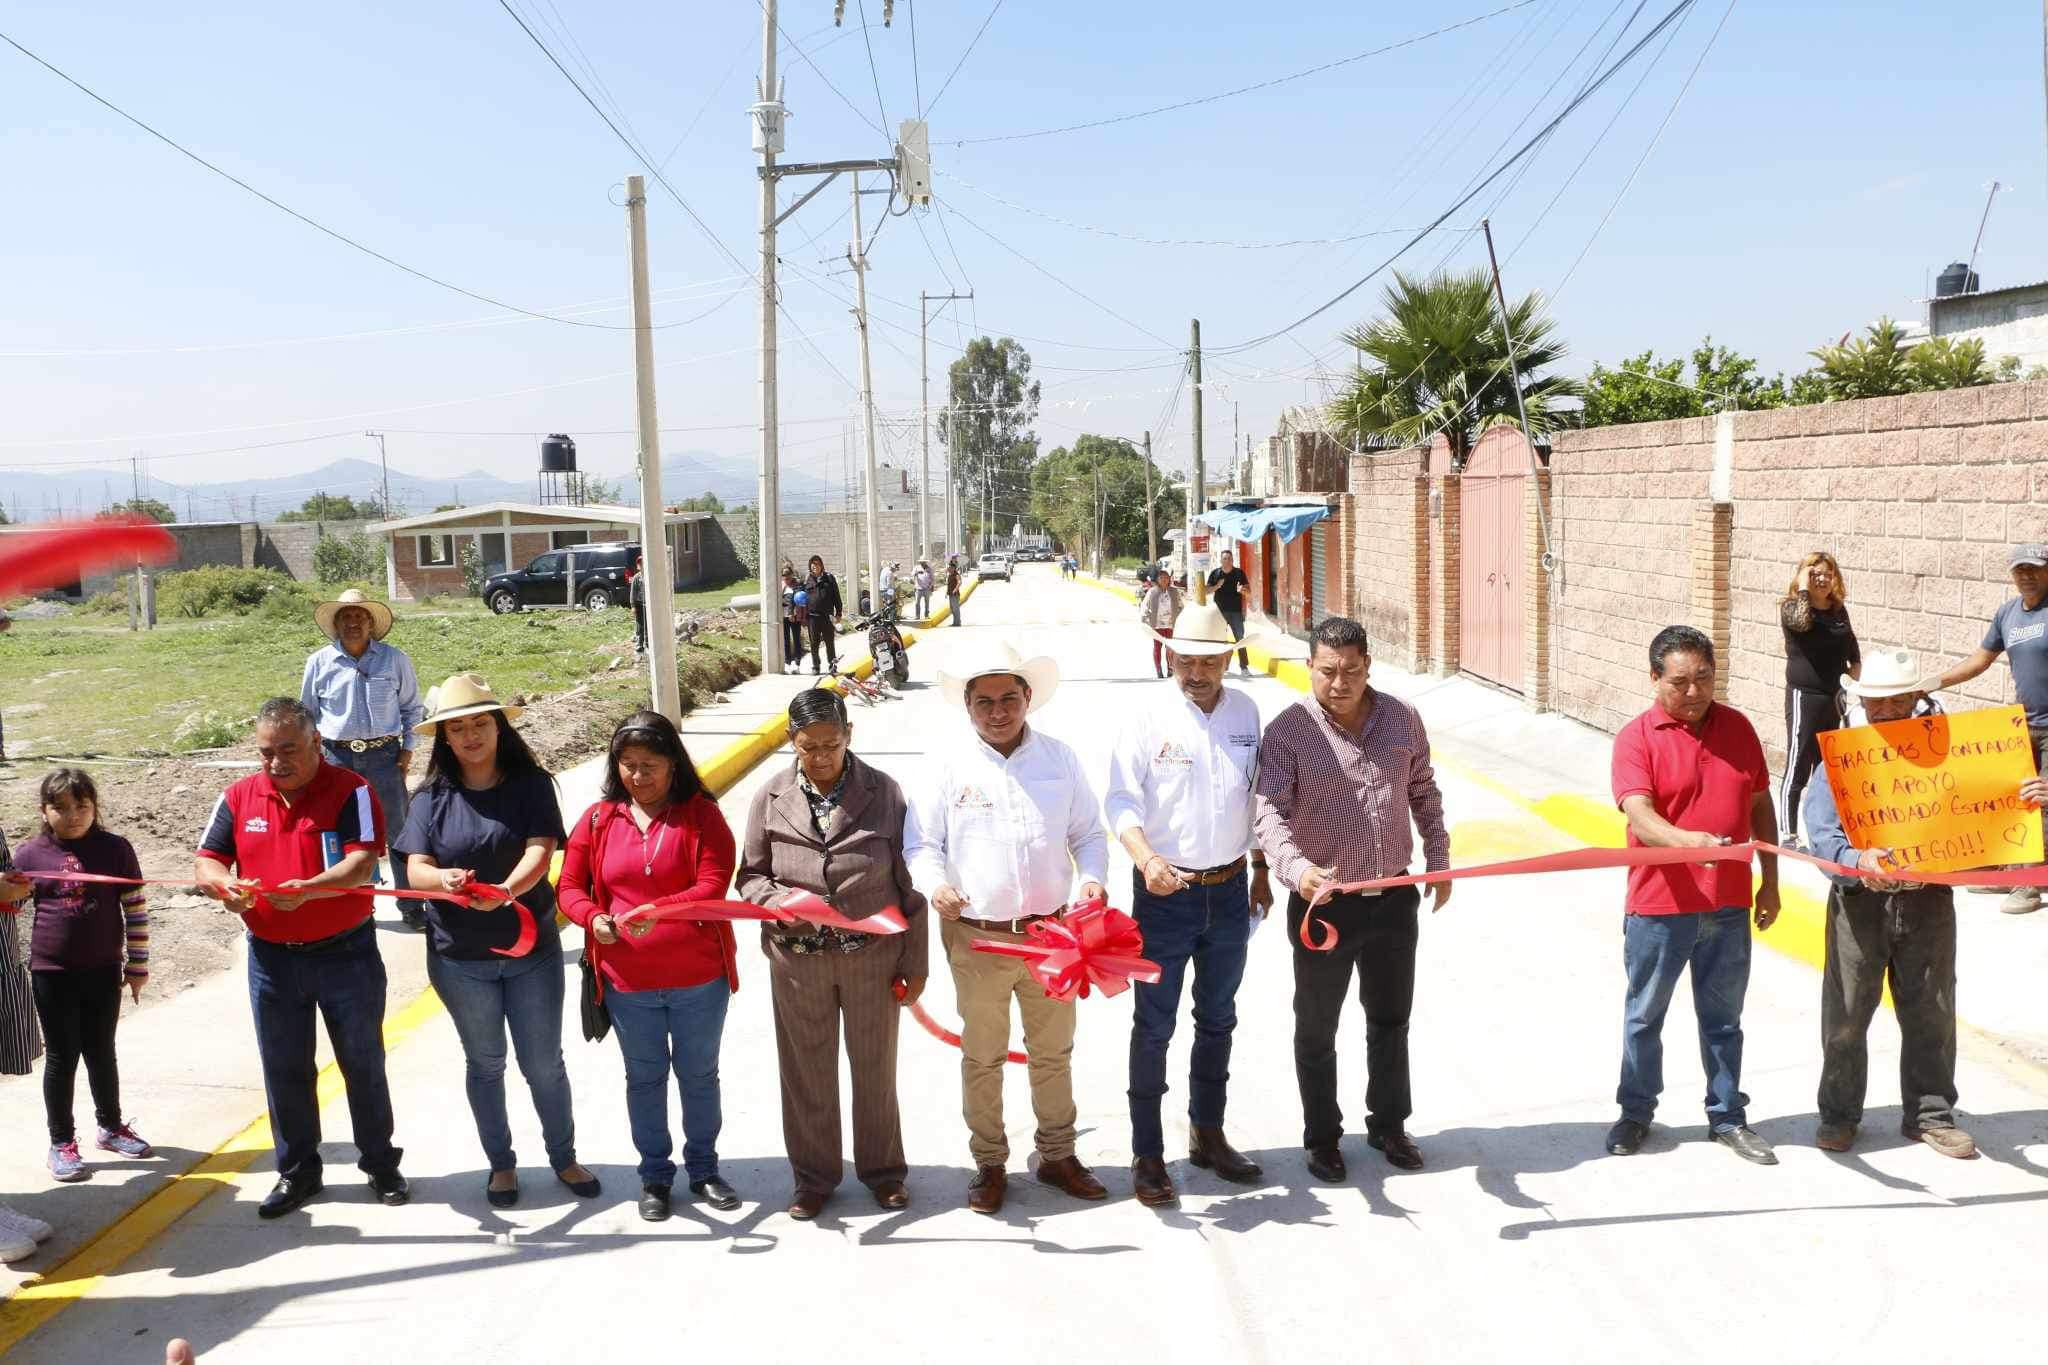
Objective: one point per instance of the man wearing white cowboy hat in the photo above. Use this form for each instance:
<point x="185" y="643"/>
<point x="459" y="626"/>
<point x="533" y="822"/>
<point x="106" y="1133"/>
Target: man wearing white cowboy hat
<point x="1879" y="925"/>
<point x="367" y="699"/>
<point x="994" y="840"/>
<point x="1180" y="801"/>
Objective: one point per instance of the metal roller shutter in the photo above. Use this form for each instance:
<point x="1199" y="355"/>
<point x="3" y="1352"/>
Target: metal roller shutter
<point x="1318" y="561"/>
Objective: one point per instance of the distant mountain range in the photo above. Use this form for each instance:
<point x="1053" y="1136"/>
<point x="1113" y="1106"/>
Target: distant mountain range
<point x="30" y="496"/>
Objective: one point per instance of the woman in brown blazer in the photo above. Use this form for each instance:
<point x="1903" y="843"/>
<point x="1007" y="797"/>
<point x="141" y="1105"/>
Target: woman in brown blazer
<point x="832" y="825"/>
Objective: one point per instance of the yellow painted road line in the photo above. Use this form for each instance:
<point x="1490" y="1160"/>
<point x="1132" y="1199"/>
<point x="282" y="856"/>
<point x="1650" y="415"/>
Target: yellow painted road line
<point x="40" y="1299"/>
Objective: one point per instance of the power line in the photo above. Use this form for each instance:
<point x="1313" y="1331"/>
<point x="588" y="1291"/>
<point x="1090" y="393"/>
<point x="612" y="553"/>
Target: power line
<point x="916" y="75"/>
<point x="874" y="73"/>
<point x="971" y="43"/>
<point x="291" y="212"/>
<point x="1579" y="99"/>
<point x="1242" y="89"/>
<point x="1138" y="326"/>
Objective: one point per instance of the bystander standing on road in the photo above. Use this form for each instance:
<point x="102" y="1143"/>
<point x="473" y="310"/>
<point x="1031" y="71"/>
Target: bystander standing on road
<point x="488" y="817"/>
<point x="366" y="699"/>
<point x="87" y="942"/>
<point x="1880" y="927"/>
<point x="309" y="831"/>
<point x="1227" y="586"/>
<point x="1180" y="801"/>
<point x="953" y="588"/>
<point x="995" y="839"/>
<point x="921" y="580"/>
<point x="831" y="825"/>
<point x="823" y="606"/>
<point x="1343" y="775"/>
<point x="793" y="598"/>
<point x="887" y="600"/>
<point x="21" y="1042"/>
<point x="1689" y="773"/>
<point x="1157" y="611"/>
<point x="1820" y="646"/>
<point x="667" y="980"/>
<point x="637" y="591"/>
<point x="2019" y="630"/>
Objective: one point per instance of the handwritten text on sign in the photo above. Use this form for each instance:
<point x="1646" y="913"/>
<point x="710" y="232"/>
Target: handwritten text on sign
<point x="1942" y="791"/>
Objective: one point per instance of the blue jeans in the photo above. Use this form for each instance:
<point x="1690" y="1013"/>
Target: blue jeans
<point x="483" y="998"/>
<point x="345" y="986"/>
<point x="1210" y="926"/>
<point x="1656" y="949"/>
<point x="379" y="768"/>
<point x="679" y="1030"/>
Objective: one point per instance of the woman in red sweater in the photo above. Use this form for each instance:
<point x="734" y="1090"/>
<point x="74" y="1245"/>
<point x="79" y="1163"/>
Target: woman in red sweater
<point x="657" y="833"/>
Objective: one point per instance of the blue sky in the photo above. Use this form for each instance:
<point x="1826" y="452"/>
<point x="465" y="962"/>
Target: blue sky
<point x="1827" y="159"/>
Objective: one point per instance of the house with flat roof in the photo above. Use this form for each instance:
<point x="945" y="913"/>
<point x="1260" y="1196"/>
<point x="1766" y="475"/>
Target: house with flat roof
<point x="423" y="554"/>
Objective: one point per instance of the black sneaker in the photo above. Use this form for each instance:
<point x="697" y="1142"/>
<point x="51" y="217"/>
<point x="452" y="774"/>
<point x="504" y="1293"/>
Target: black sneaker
<point x="654" y="1203"/>
<point x="391" y="1188"/>
<point x="288" y="1194"/>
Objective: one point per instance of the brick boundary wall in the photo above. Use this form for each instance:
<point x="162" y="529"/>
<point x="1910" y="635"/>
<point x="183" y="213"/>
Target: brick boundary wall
<point x="1536" y="593"/>
<point x="1445" y="585"/>
<point x="1388" y="556"/>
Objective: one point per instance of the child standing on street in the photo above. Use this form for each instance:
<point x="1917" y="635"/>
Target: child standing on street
<point x="87" y="939"/>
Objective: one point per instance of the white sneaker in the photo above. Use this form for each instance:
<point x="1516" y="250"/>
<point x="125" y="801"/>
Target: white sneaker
<point x="14" y="1220"/>
<point x="15" y="1243"/>
<point x="2024" y="900"/>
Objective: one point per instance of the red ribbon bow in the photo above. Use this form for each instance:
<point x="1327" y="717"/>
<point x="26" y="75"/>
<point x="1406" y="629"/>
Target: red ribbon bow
<point x="1091" y="945"/>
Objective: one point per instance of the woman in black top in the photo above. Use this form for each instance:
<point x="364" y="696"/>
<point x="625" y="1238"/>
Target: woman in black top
<point x="1820" y="646"/>
<point x="489" y="815"/>
<point x="823" y="605"/>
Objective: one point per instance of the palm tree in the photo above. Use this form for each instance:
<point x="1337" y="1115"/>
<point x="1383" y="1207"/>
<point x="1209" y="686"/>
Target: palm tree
<point x="1438" y="362"/>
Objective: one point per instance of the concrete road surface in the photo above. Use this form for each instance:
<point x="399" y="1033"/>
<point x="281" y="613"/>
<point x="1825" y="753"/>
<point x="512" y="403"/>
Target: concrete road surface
<point x="1521" y="1239"/>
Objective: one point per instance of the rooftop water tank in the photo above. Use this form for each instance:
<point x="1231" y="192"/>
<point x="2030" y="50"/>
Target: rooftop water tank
<point x="1957" y="279"/>
<point x="558" y="455"/>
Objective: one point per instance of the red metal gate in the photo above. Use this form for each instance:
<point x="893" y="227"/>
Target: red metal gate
<point x="1490" y="558"/>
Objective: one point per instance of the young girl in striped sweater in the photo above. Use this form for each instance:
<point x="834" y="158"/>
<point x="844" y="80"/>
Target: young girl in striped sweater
<point x="88" y="939"/>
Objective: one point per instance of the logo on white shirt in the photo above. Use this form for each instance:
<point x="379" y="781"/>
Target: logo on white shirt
<point x="1173" y="754"/>
<point x="971" y="797"/>
<point x="256" y="824"/>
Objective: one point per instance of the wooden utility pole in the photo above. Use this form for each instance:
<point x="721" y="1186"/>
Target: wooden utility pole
<point x="1198" y="501"/>
<point x="1151" y="528"/>
<point x="655" y="570"/>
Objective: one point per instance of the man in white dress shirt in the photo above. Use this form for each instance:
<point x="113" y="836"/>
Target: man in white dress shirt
<point x="994" y="840"/>
<point x="1180" y="800"/>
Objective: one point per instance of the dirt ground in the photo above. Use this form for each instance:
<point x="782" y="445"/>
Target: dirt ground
<point x="161" y="804"/>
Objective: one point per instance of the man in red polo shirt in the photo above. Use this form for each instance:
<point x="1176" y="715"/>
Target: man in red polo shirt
<point x="310" y="831"/>
<point x="1689" y="773"/>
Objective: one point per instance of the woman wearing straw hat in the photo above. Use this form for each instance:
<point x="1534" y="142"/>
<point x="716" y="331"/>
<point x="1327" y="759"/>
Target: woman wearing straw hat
<point x="365" y="699"/>
<point x="488" y="814"/>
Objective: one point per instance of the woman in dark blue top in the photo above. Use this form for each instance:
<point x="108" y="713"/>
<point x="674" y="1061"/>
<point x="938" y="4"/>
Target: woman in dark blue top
<point x="488" y="814"/>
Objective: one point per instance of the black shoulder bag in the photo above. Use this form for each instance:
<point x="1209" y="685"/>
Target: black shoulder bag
<point x="597" y="1019"/>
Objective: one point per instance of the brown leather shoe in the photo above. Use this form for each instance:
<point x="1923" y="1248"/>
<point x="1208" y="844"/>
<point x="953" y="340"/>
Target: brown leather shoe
<point x="1400" y="1149"/>
<point x="1948" y="1139"/>
<point x="892" y="1194"/>
<point x="1151" y="1183"/>
<point x="1209" y="1149"/>
<point x="1070" y="1175"/>
<point x="985" y="1192"/>
<point x="806" y="1205"/>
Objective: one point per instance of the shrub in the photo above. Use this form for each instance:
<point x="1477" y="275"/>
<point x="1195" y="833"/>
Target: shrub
<point x="337" y="559"/>
<point x="209" y="730"/>
<point x="218" y="590"/>
<point x="290" y="602"/>
<point x="472" y="569"/>
<point x="113" y="602"/>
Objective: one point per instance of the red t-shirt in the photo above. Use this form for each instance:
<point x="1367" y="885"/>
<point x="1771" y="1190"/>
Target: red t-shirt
<point x="687" y="849"/>
<point x="1701" y="781"/>
<point x="254" y="832"/>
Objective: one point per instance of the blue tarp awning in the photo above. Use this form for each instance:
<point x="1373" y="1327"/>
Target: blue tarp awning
<point x="1252" y="523"/>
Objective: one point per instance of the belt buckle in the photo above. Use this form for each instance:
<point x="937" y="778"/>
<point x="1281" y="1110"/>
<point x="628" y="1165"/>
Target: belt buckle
<point x="359" y="746"/>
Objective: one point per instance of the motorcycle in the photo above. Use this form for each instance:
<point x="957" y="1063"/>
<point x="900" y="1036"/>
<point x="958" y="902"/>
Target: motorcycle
<point x="885" y="645"/>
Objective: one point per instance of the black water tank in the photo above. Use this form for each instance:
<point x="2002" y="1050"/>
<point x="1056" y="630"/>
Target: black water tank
<point x="558" y="455"/>
<point x="1957" y="279"/>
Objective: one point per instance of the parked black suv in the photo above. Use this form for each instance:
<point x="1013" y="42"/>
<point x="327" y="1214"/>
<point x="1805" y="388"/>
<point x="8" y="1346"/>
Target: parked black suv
<point x="600" y="579"/>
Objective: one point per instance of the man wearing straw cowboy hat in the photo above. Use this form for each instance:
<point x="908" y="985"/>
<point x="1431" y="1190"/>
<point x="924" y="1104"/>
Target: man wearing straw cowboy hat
<point x="994" y="840"/>
<point x="367" y="699"/>
<point x="1180" y="800"/>
<point x="1880" y="926"/>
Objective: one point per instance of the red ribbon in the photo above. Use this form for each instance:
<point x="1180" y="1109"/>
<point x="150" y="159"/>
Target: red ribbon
<point x="61" y="552"/>
<point x="802" y="906"/>
<point x="1321" y="936"/>
<point x="522" y="944"/>
<point x="939" y="1030"/>
<point x="1091" y="945"/>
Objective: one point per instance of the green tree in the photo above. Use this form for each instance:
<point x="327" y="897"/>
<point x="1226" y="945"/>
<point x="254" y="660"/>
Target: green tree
<point x="993" y="404"/>
<point x="1438" y="362"/>
<point x="344" y="558"/>
<point x="1066" y="497"/>
<point x="599" y="492"/>
<point x="152" y="508"/>
<point x="1872" y="366"/>
<point x="472" y="561"/>
<point x="706" y="501"/>
<point x="1946" y="363"/>
<point x="333" y="507"/>
<point x="1646" y="389"/>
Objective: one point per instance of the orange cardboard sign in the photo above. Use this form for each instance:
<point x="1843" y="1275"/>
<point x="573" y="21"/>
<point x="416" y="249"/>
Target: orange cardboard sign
<point x="1940" y="791"/>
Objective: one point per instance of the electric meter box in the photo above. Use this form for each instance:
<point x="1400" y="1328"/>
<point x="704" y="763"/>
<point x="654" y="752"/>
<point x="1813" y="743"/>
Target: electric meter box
<point x="914" y="161"/>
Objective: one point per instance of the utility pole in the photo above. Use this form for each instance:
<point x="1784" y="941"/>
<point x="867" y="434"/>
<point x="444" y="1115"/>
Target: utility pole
<point x="1151" y="529"/>
<point x="1198" y="501"/>
<point x="858" y="255"/>
<point x="385" y="468"/>
<point x="768" y="115"/>
<point x="655" y="569"/>
<point x="135" y="509"/>
<point x="924" y="426"/>
<point x="952" y="478"/>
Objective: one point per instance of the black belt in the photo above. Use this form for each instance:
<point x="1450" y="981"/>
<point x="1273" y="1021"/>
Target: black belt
<point x="363" y="745"/>
<point x="1210" y="876"/>
<point x="1009" y="926"/>
<point x="320" y="945"/>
